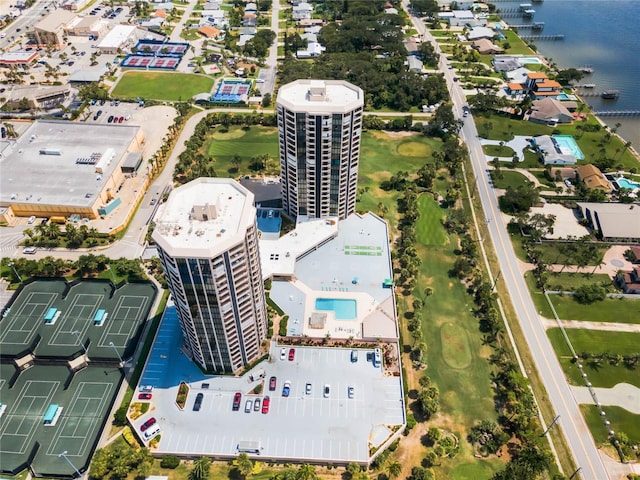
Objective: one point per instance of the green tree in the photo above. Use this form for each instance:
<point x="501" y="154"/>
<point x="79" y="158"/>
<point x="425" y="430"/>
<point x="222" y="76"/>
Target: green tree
<point x="306" y="472"/>
<point x="100" y="464"/>
<point x="244" y="464"/>
<point x="201" y="469"/>
<point x="394" y="468"/>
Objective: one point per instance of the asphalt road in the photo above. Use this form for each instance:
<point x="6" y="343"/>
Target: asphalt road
<point x="571" y="420"/>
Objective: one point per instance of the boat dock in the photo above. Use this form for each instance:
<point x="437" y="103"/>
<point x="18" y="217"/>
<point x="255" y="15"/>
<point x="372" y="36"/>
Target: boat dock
<point x="534" y="26"/>
<point x="542" y="37"/>
<point x="618" y="113"/>
<point x="606" y="94"/>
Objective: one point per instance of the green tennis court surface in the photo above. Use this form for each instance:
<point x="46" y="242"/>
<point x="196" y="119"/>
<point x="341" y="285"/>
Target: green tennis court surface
<point x="50" y="407"/>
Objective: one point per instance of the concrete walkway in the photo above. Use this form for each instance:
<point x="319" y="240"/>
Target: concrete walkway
<point x="604" y="326"/>
<point x="622" y="395"/>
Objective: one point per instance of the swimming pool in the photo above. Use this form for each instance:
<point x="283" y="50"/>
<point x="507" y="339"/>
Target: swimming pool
<point x="567" y="144"/>
<point x="344" y="309"/>
<point x="529" y="60"/>
<point x="626" y="183"/>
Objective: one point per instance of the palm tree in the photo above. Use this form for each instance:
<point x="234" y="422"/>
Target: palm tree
<point x="394" y="468"/>
<point x="201" y="469"/>
<point x="306" y="472"/>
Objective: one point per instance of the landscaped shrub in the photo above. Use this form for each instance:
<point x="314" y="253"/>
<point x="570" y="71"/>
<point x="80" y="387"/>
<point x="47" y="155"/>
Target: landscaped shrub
<point x="282" y="329"/>
<point x="169" y="461"/>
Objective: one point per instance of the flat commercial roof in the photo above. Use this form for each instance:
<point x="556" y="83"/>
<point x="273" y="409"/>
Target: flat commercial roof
<point x="117" y="36"/>
<point x="28" y="176"/>
<point x="320" y="96"/>
<point x="203" y="217"/>
<point x="55" y="21"/>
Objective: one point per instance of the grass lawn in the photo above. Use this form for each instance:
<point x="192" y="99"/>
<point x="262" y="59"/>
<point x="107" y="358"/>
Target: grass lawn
<point x="509" y="179"/>
<point x="161" y="85"/>
<point x="517" y="45"/>
<point x="569" y="281"/>
<point x="383" y="155"/>
<point x="539" y="174"/>
<point x="429" y="230"/>
<point x="595" y="341"/>
<point x="498" y="151"/>
<point x="618" y="310"/>
<point x="621" y="421"/>
<point x="244" y="143"/>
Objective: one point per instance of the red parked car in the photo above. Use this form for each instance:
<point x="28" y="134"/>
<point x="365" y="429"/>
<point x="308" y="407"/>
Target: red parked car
<point x="292" y="354"/>
<point x="265" y="404"/>
<point x="145" y="396"/>
<point x="147" y="424"/>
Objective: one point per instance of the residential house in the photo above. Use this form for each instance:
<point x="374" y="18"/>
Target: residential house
<point x="391" y="11"/>
<point x="505" y="63"/>
<point x="302" y="11"/>
<point x="593" y="179"/>
<point x="514" y="88"/>
<point x="549" y="111"/>
<point x="629" y="281"/>
<point x="247" y="31"/>
<point x="242" y="41"/>
<point x="314" y="49"/>
<point x="550" y="152"/>
<point x="251" y="7"/>
<point x="249" y="22"/>
<point x="414" y="64"/>
<point x="486" y="47"/>
<point x="461" y="18"/>
<point x="210" y="32"/>
<point x="477" y="33"/>
<point x="519" y="75"/>
<point x="615" y="221"/>
<point x="153" y="24"/>
<point x="539" y="85"/>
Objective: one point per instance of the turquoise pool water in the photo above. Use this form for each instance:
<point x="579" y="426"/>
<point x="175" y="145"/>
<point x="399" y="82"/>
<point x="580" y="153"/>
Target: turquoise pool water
<point x="344" y="309"/>
<point x="625" y="183"/>
<point x="529" y="60"/>
<point x="568" y="145"/>
<point x="562" y="96"/>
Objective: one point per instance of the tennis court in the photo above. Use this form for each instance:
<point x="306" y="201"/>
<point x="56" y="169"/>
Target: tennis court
<point x="53" y="408"/>
<point x="83" y="400"/>
<point x="75" y="330"/>
<point x="232" y="90"/>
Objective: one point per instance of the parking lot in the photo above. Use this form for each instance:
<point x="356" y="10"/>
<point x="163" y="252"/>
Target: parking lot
<point x="302" y="426"/>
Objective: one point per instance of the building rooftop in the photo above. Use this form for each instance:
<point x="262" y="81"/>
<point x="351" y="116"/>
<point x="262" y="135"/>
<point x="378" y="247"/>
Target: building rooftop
<point x="204" y="217"/>
<point x="56" y="20"/>
<point x="45" y="165"/>
<point x="320" y="96"/>
<point x="117" y="36"/>
<point x="616" y="220"/>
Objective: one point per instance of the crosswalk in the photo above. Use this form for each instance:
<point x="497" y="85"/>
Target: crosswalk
<point x="9" y="243"/>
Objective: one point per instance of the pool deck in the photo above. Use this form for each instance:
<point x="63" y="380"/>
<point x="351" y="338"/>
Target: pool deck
<point x="359" y="253"/>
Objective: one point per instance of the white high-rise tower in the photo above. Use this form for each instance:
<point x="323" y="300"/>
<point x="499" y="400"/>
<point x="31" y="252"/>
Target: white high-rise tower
<point x="319" y="124"/>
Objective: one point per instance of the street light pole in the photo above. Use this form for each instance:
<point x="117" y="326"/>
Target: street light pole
<point x="15" y="271"/>
<point x="77" y="334"/>
<point x="64" y="455"/>
<point x="117" y="353"/>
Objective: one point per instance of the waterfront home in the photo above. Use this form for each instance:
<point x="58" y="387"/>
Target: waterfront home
<point x="477" y="33"/>
<point x="486" y="47"/>
<point x="549" y="111"/>
<point x="594" y="179"/>
<point x="550" y="152"/>
<point x="539" y="85"/>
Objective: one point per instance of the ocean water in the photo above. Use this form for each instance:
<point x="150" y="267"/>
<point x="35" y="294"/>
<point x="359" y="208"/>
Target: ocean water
<point x="604" y="34"/>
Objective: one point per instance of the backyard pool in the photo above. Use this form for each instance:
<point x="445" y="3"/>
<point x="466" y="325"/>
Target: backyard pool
<point x="344" y="309"/>
<point x="568" y="145"/>
<point x="530" y="60"/>
<point x="626" y="183"/>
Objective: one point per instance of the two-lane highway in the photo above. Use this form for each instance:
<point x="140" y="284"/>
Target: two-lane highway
<point x="571" y="421"/>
